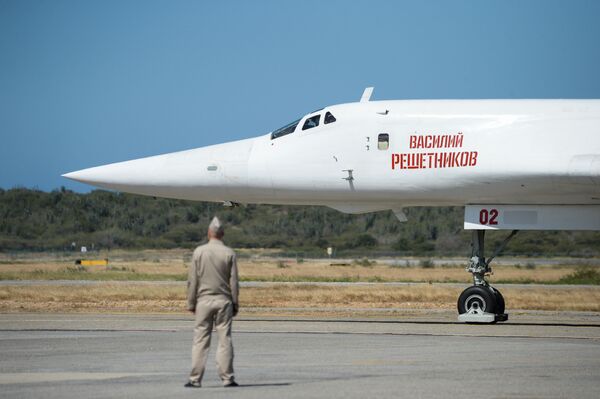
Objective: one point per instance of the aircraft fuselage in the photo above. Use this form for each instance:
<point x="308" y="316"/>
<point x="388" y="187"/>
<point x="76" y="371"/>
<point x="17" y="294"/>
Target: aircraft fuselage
<point x="387" y="154"/>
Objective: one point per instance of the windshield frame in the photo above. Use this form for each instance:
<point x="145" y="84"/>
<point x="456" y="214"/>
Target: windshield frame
<point x="285" y="130"/>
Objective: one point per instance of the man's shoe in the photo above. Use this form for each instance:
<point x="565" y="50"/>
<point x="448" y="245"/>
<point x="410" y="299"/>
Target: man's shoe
<point x="193" y="384"/>
<point x="231" y="384"/>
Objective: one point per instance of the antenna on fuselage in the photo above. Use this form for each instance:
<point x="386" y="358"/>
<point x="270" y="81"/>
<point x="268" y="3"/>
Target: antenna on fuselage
<point x="366" y="95"/>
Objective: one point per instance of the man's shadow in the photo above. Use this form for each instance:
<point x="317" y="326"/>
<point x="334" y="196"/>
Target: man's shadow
<point x="275" y="384"/>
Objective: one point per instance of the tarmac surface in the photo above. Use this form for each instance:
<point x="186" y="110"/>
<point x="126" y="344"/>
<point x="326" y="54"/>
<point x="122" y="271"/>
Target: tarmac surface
<point x="423" y="355"/>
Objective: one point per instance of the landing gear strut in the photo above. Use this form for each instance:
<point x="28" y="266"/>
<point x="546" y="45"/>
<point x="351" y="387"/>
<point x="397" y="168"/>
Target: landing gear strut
<point x="482" y="303"/>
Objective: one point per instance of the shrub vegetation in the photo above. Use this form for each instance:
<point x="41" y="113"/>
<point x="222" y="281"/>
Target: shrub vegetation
<point x="37" y="220"/>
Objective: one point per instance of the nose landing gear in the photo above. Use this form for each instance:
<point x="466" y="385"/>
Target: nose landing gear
<point x="482" y="303"/>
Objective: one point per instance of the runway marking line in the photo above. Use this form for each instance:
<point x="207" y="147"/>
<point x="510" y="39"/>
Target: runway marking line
<point x="316" y="332"/>
<point x="86" y="330"/>
<point x="417" y="334"/>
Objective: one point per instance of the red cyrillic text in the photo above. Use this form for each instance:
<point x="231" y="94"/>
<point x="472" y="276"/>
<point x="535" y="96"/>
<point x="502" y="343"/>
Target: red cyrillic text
<point x="434" y="160"/>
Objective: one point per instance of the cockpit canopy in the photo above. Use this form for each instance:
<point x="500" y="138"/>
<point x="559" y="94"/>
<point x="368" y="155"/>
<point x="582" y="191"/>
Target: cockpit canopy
<point x="309" y="123"/>
<point x="287" y="129"/>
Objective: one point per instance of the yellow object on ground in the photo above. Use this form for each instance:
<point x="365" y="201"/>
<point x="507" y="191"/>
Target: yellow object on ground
<point x="92" y="262"/>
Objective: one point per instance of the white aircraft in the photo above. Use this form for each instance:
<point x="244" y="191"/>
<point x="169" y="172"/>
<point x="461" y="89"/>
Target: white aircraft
<point x="513" y="164"/>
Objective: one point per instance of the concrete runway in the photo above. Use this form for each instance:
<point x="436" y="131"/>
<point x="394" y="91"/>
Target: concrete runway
<point x="535" y="355"/>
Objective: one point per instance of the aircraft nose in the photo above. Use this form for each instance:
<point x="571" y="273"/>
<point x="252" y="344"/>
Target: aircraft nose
<point x="205" y="173"/>
<point x="93" y="176"/>
<point x="144" y="171"/>
<point x="73" y="176"/>
<point x="175" y="175"/>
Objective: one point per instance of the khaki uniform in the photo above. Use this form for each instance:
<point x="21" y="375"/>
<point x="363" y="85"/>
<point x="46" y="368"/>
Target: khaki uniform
<point x="213" y="292"/>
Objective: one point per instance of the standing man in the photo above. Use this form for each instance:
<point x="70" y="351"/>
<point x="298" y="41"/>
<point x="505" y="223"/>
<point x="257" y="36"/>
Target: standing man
<point x="213" y="296"/>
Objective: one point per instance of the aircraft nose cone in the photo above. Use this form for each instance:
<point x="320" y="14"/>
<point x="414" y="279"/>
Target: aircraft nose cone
<point x="82" y="176"/>
<point x="71" y="175"/>
<point x="111" y="175"/>
<point x="169" y="170"/>
<point x="193" y="174"/>
<point x="174" y="175"/>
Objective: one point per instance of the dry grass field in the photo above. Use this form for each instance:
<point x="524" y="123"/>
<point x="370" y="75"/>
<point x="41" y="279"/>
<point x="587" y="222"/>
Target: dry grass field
<point x="107" y="297"/>
<point x="324" y="271"/>
<point x="172" y="265"/>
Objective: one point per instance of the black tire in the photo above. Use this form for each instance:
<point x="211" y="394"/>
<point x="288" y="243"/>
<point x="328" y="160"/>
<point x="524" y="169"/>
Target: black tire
<point x="483" y="297"/>
<point x="500" y="305"/>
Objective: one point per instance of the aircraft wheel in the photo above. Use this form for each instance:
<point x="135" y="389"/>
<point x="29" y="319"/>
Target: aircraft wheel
<point x="500" y="305"/>
<point x="477" y="297"/>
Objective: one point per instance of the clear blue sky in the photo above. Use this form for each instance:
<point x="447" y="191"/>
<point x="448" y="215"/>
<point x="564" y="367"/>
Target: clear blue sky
<point x="85" y="83"/>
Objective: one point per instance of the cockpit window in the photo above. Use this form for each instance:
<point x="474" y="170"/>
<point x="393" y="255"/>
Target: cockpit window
<point x="287" y="129"/>
<point x="311" y="122"/>
<point x="329" y="118"/>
